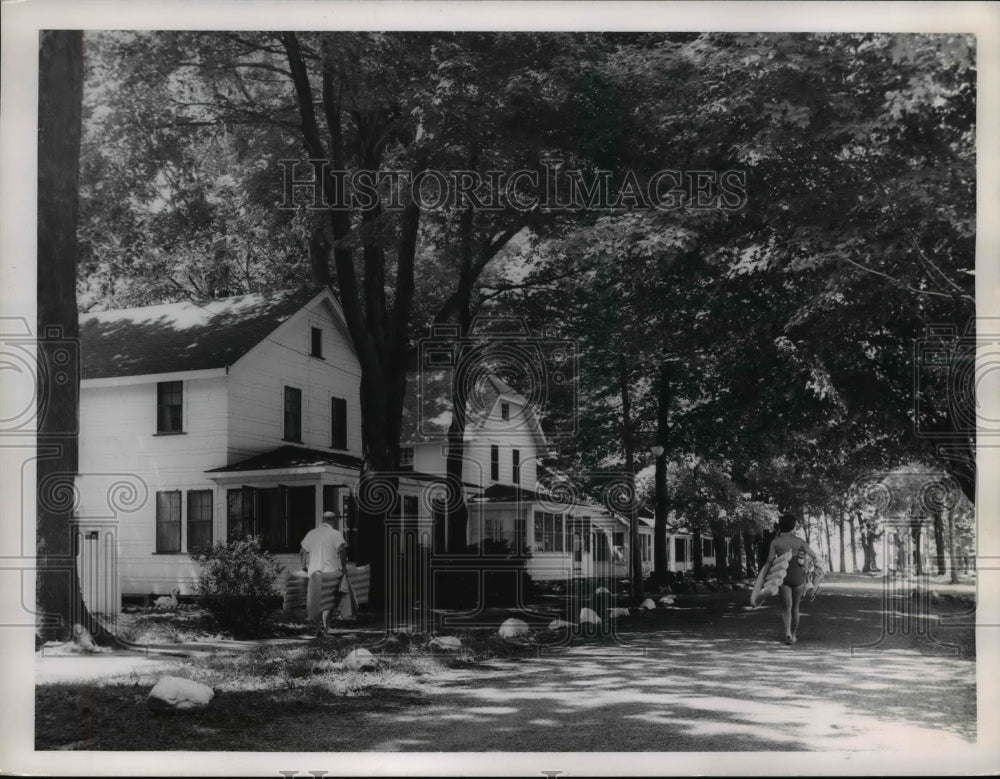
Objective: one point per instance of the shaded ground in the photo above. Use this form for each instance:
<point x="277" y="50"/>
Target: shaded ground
<point x="709" y="675"/>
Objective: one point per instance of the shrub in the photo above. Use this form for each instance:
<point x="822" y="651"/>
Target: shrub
<point x="237" y="585"/>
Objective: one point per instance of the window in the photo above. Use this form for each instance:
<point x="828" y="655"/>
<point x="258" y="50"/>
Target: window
<point x="406" y="458"/>
<point x="548" y="532"/>
<point x="647" y="548"/>
<point x="680" y="550"/>
<point x="168" y="522"/>
<point x="169" y="406"/>
<point x="515" y="465"/>
<point x="293" y="414"/>
<point x="241" y="512"/>
<point x="199" y="520"/>
<point x="349" y="527"/>
<point x="520" y="535"/>
<point x="338" y="423"/>
<point x="316" y="343"/>
<point x="495" y="462"/>
<point x="505" y="411"/>
<point x="706" y="548"/>
<point x="493" y="529"/>
<point x="411" y="507"/>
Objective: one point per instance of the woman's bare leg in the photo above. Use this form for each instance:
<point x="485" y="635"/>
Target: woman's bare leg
<point x="796" y="594"/>
<point x="786" y="609"/>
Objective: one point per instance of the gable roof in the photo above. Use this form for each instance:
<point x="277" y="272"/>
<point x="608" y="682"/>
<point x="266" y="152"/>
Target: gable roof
<point x="183" y="336"/>
<point x="427" y="407"/>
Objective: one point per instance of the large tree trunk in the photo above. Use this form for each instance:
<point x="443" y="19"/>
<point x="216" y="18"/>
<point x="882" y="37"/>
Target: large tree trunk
<point x="635" y="553"/>
<point x="952" y="561"/>
<point x="840" y="530"/>
<point x="752" y="552"/>
<point x="829" y="544"/>
<point x="915" y="534"/>
<point x="61" y="610"/>
<point x="939" y="551"/>
<point x="854" y="545"/>
<point x="660" y="556"/>
<point x="736" y="569"/>
<point x="696" y="554"/>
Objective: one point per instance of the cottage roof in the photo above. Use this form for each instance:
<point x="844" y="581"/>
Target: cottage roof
<point x="291" y="457"/>
<point x="427" y="406"/>
<point x="183" y="336"/>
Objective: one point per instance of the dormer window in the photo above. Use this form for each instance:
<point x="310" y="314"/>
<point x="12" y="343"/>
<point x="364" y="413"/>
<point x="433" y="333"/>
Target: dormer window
<point x="316" y="343"/>
<point x="505" y="411"/>
<point x="169" y="406"/>
<point x="406" y="458"/>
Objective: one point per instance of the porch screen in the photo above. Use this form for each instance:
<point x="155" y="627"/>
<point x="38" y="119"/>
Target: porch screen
<point x="241" y="512"/>
<point x="548" y="532"/>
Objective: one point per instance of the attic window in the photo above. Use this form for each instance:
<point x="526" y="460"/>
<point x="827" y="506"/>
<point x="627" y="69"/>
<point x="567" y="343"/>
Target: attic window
<point x="505" y="411"/>
<point x="406" y="458"/>
<point x="169" y="405"/>
<point x="316" y="343"/>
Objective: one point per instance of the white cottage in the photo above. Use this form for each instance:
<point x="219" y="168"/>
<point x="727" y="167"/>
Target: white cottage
<point x="233" y="416"/>
<point x="504" y="444"/>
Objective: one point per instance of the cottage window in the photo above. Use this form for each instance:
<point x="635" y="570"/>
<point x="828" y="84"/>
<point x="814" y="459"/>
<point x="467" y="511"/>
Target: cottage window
<point x="505" y="411"/>
<point x="515" y="465"/>
<point x="647" y="548"/>
<point x="706" y="548"/>
<point x="199" y="520"/>
<point x="241" y="512"/>
<point x="411" y="507"/>
<point x="293" y="414"/>
<point x="494" y="462"/>
<point x="338" y="423"/>
<point x="520" y="535"/>
<point x="406" y="458"/>
<point x="680" y="550"/>
<point x="316" y="343"/>
<point x="169" y="406"/>
<point x="168" y="522"/>
<point x="548" y="532"/>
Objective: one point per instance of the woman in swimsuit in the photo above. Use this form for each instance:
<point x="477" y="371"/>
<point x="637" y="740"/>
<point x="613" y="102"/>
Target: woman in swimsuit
<point x="791" y="588"/>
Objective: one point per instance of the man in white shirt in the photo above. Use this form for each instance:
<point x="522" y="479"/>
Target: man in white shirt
<point x="324" y="559"/>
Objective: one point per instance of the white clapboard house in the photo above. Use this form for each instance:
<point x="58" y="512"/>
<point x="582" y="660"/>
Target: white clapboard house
<point x="232" y="416"/>
<point x="504" y="444"/>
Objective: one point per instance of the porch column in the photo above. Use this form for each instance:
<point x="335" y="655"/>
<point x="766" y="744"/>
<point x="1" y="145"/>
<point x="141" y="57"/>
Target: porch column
<point x="318" y="500"/>
<point x="671" y="554"/>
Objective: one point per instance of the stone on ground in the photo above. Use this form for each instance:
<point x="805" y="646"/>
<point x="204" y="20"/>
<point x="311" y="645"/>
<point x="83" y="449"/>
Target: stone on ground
<point x="700" y="588"/>
<point x="648" y="604"/>
<point x="589" y="615"/>
<point x="615" y="613"/>
<point x="667" y="600"/>
<point x="513" y="628"/>
<point x="448" y="643"/>
<point x="359" y="660"/>
<point x="560" y="624"/>
<point x="602" y="591"/>
<point x="173" y="693"/>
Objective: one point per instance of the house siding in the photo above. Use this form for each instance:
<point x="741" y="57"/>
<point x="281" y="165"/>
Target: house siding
<point x="119" y="444"/>
<point x="257" y="382"/>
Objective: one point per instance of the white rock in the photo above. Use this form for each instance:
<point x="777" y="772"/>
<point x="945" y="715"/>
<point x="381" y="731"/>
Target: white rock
<point x="667" y="600"/>
<point x="589" y="615"/>
<point x="648" y="604"/>
<point x="448" y="643"/>
<point x="172" y="693"/>
<point x="602" y="591"/>
<point x="513" y="627"/>
<point x="615" y="613"/>
<point x="560" y="624"/>
<point x="359" y="660"/>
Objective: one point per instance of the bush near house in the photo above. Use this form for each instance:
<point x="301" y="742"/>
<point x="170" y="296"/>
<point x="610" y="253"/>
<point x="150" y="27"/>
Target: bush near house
<point x="238" y="585"/>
